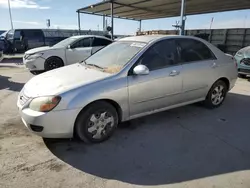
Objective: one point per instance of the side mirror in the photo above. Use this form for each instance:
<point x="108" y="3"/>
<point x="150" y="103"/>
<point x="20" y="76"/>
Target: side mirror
<point x="68" y="47"/>
<point x="141" y="70"/>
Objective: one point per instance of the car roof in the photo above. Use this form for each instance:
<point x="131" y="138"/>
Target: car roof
<point x="143" y="38"/>
<point x="152" y="38"/>
<point x="85" y="36"/>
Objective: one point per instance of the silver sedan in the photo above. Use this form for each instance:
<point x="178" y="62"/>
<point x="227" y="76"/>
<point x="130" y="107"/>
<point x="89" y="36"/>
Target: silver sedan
<point x="131" y="78"/>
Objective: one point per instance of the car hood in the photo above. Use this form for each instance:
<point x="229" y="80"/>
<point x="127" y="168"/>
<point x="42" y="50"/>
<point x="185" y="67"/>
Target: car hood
<point x="61" y="80"/>
<point x="41" y="49"/>
<point x="37" y="50"/>
<point x="245" y="51"/>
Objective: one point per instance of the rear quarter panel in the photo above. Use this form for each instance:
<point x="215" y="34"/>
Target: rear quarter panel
<point x="227" y="67"/>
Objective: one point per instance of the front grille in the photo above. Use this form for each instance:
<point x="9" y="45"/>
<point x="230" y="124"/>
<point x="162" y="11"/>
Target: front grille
<point x="23" y="98"/>
<point x="246" y="61"/>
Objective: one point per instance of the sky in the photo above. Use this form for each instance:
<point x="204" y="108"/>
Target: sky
<point x="62" y="13"/>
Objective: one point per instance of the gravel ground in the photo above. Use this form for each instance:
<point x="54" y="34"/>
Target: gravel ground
<point x="181" y="148"/>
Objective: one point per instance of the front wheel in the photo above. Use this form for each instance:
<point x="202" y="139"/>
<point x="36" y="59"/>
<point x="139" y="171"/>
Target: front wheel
<point x="96" y="123"/>
<point x="216" y="94"/>
<point x="53" y="63"/>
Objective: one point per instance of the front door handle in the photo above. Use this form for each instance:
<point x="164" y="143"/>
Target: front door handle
<point x="174" y="73"/>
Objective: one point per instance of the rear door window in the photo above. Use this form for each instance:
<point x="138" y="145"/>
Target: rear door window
<point x="101" y="42"/>
<point x="82" y="43"/>
<point x="193" y="50"/>
<point x="32" y="35"/>
<point x="17" y="34"/>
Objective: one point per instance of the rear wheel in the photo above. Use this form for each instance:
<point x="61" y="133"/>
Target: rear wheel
<point x="216" y="94"/>
<point x="96" y="123"/>
<point x="53" y="63"/>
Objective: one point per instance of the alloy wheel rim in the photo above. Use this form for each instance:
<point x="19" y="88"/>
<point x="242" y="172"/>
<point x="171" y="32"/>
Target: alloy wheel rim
<point x="53" y="65"/>
<point x="100" y="124"/>
<point x="218" y="95"/>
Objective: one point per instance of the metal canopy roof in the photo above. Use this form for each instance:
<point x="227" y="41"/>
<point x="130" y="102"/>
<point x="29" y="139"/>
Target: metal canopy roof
<point x="153" y="9"/>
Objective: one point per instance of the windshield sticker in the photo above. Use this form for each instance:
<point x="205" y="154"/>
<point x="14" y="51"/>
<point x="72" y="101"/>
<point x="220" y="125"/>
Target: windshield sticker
<point x="139" y="45"/>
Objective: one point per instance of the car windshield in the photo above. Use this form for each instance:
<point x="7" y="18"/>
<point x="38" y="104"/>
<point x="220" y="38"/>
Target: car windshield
<point x="64" y="42"/>
<point x="112" y="58"/>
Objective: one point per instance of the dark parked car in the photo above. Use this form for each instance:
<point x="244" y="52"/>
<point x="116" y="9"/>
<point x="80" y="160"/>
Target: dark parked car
<point x="20" y="40"/>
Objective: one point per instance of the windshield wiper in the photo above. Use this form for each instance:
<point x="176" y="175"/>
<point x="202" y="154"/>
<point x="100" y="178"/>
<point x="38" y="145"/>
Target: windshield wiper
<point x="94" y="65"/>
<point x="83" y="61"/>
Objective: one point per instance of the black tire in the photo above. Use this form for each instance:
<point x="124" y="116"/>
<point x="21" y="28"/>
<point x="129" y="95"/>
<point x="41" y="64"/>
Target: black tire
<point x="210" y="99"/>
<point x="84" y="123"/>
<point x="53" y="63"/>
<point x="242" y="75"/>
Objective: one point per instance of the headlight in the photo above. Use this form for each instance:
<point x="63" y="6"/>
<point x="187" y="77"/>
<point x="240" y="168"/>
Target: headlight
<point x="44" y="104"/>
<point x="34" y="56"/>
<point x="239" y="53"/>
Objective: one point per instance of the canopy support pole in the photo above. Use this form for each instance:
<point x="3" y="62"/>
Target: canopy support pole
<point x="182" y="17"/>
<point x="112" y="19"/>
<point x="79" y="22"/>
<point x="104" y="23"/>
<point x="140" y="25"/>
<point x="11" y="22"/>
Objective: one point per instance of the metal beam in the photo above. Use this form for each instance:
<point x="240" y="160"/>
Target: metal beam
<point x="160" y="8"/>
<point x="143" y="14"/>
<point x="97" y="14"/>
<point x="97" y="4"/>
<point x="137" y="8"/>
<point x="204" y="10"/>
<point x="190" y="10"/>
<point x="220" y="6"/>
<point x="121" y="6"/>
<point x="118" y="7"/>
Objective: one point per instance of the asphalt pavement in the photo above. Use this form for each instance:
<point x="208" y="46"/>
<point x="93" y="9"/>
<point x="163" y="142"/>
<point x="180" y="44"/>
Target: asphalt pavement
<point x="185" y="147"/>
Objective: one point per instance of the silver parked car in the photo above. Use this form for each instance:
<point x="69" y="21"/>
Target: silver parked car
<point x="130" y="78"/>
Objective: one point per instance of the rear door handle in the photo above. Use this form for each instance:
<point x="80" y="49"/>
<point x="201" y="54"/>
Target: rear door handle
<point x="174" y="73"/>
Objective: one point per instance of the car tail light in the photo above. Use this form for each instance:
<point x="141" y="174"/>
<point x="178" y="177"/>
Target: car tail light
<point x="232" y="58"/>
<point x="235" y="62"/>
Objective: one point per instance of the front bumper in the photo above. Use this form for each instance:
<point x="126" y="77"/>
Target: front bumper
<point x="54" y="124"/>
<point x="242" y="68"/>
<point x="34" y="64"/>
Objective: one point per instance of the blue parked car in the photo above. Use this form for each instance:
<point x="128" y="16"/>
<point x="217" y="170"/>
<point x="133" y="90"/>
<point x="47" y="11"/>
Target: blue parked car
<point x="243" y="62"/>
